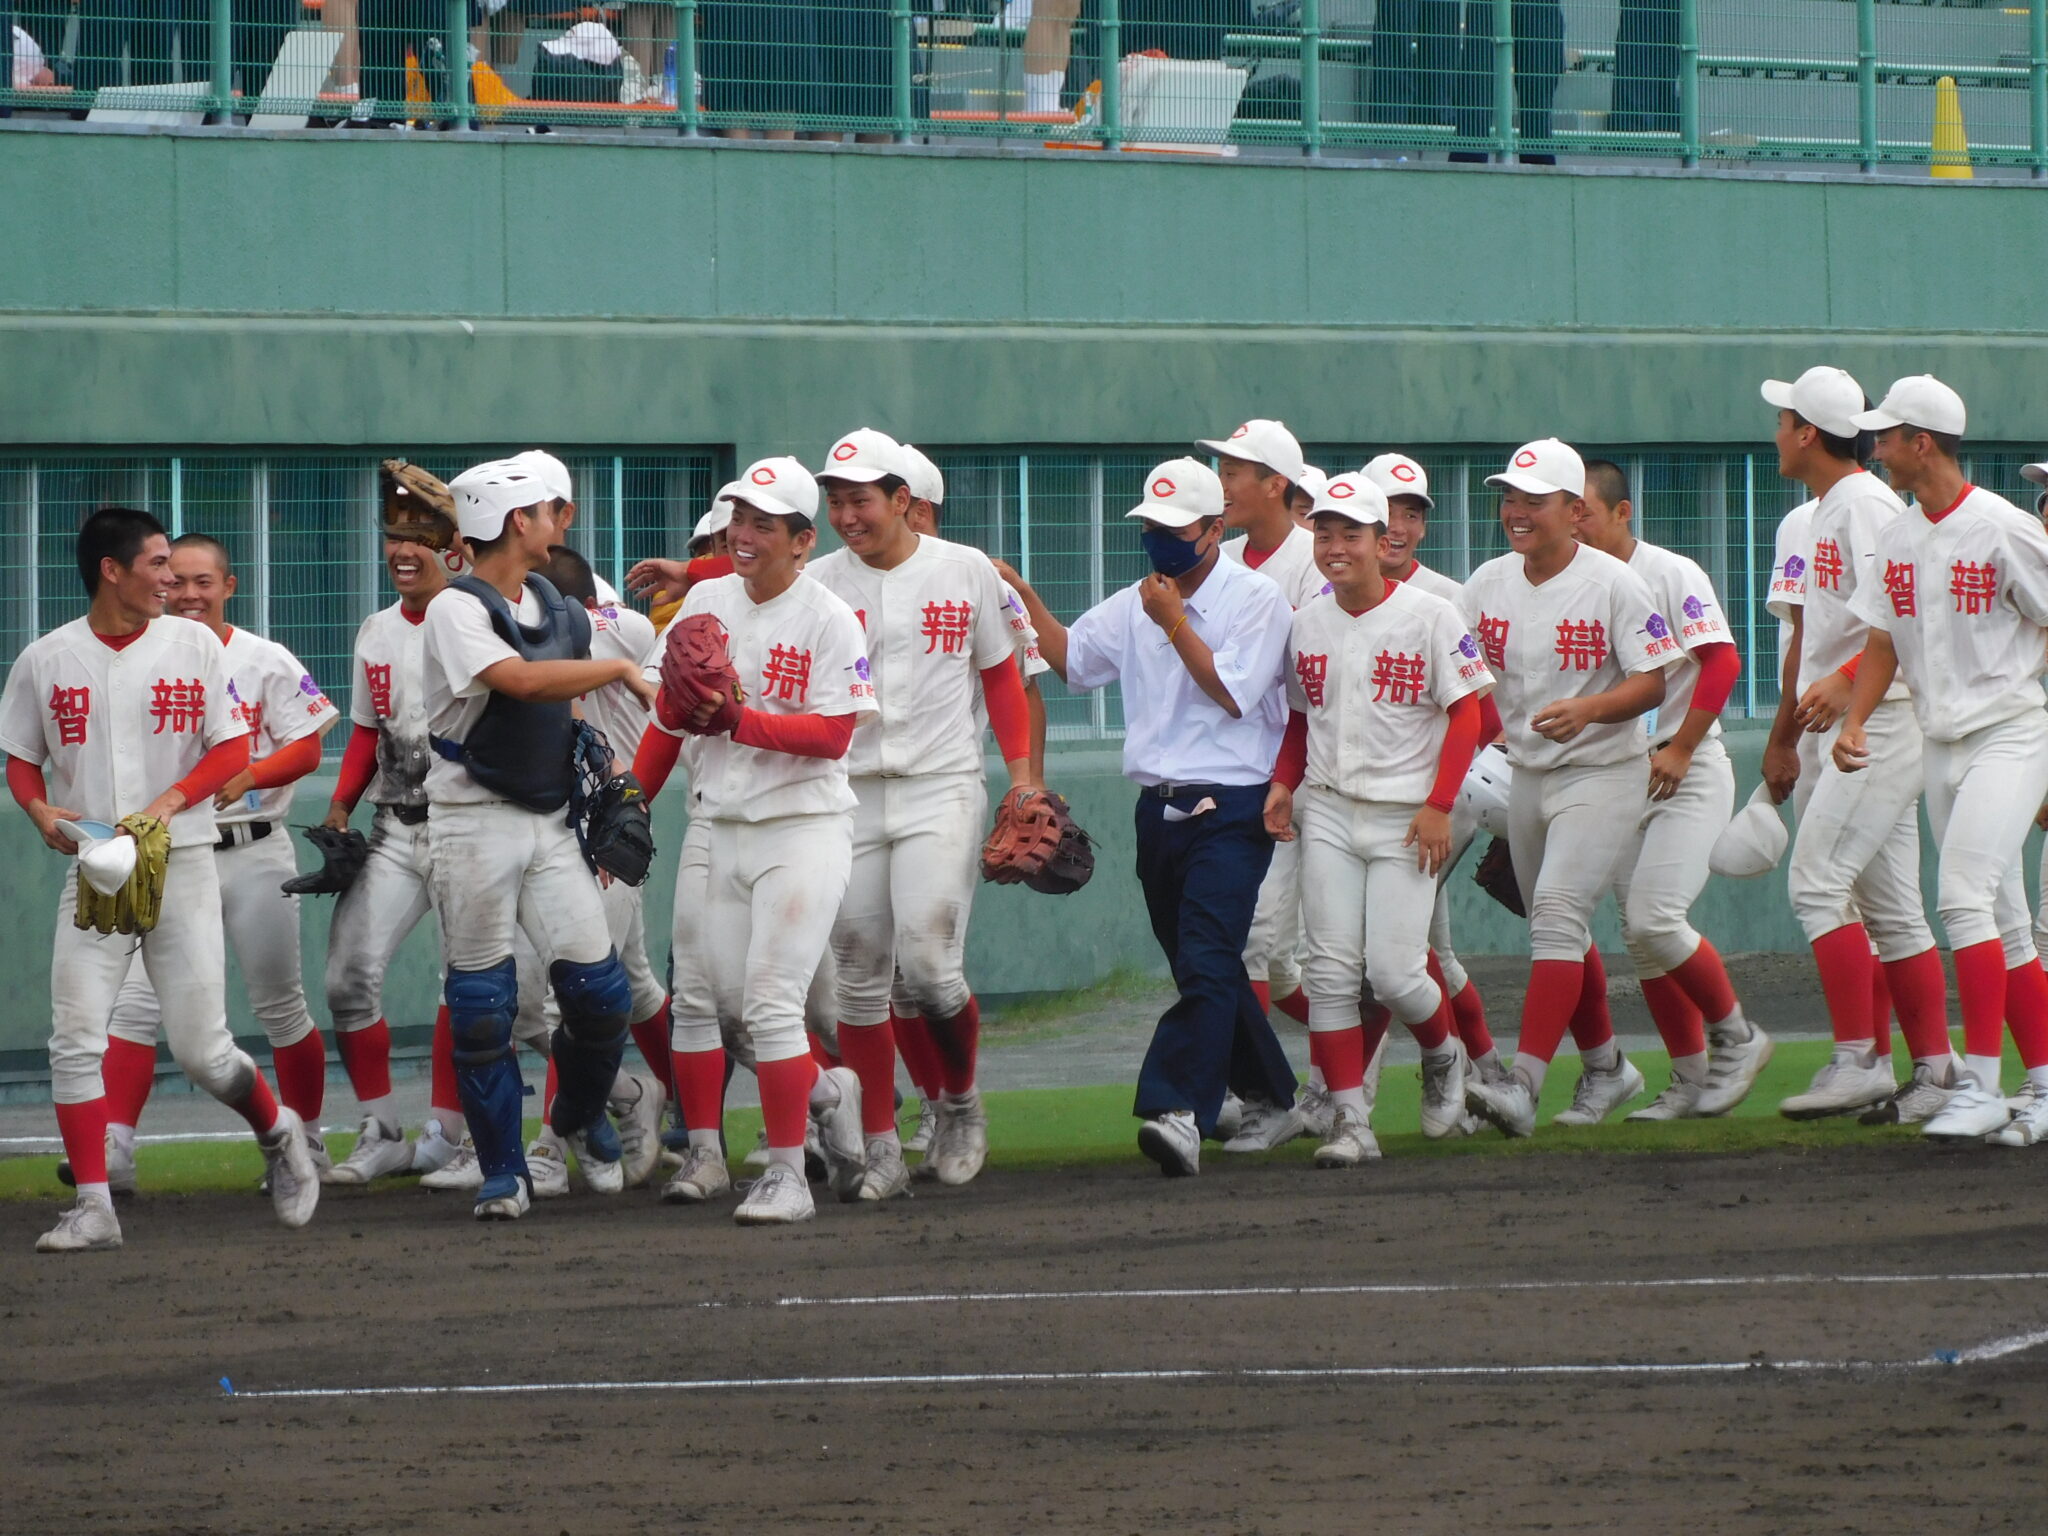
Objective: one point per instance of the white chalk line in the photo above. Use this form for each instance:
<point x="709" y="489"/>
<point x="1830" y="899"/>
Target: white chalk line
<point x="53" y="1144"/>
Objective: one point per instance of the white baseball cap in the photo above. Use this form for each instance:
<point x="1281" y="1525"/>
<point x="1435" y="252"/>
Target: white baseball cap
<point x="1544" y="467"/>
<point x="779" y="486"/>
<point x="865" y="456"/>
<point x="1353" y="497"/>
<point x="719" y="518"/>
<point x="553" y="472"/>
<point x="1827" y="397"/>
<point x="105" y="858"/>
<point x="487" y="494"/>
<point x="924" y="479"/>
<point x="2038" y="473"/>
<point x="1261" y="442"/>
<point x="1754" y="842"/>
<point x="1399" y="475"/>
<point x="590" y="41"/>
<point x="1918" y="400"/>
<point x="1180" y="492"/>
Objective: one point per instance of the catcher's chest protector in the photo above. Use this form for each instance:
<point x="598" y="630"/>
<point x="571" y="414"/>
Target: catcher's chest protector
<point x="524" y="751"/>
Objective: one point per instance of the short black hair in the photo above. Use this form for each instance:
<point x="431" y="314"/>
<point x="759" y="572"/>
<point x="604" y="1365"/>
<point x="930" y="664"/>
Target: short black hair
<point x="1950" y="443"/>
<point x="206" y="541"/>
<point x="571" y="574"/>
<point x="1857" y="448"/>
<point x="112" y="533"/>
<point x="1607" y="480"/>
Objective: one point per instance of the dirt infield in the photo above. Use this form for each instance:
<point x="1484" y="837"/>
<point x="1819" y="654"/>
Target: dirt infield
<point x="117" y="1423"/>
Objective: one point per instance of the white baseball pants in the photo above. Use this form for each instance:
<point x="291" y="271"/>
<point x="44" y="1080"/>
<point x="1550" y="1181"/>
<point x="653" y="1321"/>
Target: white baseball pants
<point x="1568" y="831"/>
<point x="626" y="920"/>
<point x="1857" y="847"/>
<point x="498" y="867"/>
<point x="1982" y="792"/>
<point x="1272" y="951"/>
<point x="372" y="918"/>
<point x="1664" y="868"/>
<point x="1369" y="895"/>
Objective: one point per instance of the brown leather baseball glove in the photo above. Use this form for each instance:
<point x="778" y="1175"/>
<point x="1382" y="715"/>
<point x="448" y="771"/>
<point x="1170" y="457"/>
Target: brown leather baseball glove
<point x="418" y="508"/>
<point x="1037" y="842"/>
<point x="695" y="666"/>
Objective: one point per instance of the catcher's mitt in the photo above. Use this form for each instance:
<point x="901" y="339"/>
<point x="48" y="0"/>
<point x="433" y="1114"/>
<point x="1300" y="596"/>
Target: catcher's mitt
<point x="1496" y="876"/>
<point x="418" y="508"/>
<point x="136" y="906"/>
<point x="695" y="666"/>
<point x="608" y="809"/>
<point x="1037" y="842"/>
<point x="342" y="857"/>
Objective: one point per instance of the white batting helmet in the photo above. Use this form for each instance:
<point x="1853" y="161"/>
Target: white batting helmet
<point x="1484" y="794"/>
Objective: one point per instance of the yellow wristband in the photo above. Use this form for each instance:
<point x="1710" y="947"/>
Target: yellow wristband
<point x="1176" y="628"/>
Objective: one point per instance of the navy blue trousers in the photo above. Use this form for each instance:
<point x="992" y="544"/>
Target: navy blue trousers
<point x="1201" y="878"/>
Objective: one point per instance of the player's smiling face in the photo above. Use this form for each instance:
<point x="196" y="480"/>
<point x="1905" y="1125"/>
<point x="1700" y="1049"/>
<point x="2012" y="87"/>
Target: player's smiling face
<point x="1248" y="490"/>
<point x="869" y="519"/>
<point x="200" y="588"/>
<point x="1345" y="550"/>
<point x="414" y="568"/>
<point x="765" y="547"/>
<point x="1533" y="522"/>
<point x="1406" y="522"/>
<point x="144" y="585"/>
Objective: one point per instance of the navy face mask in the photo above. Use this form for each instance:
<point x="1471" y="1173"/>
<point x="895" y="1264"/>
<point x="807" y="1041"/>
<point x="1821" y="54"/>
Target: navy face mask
<point x="1170" y="554"/>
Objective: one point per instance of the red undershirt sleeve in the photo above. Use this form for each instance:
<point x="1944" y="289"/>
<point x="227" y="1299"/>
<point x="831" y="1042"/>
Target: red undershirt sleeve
<point x="798" y="735"/>
<point x="1461" y="740"/>
<point x="1293" y="763"/>
<point x="1720" y="666"/>
<point x="25" y="782"/>
<point x="656" y="759"/>
<point x="1848" y="668"/>
<point x="1491" y="728"/>
<point x="292" y="761"/>
<point x="215" y="769"/>
<point x="1008" y="715"/>
<point x="358" y="766"/>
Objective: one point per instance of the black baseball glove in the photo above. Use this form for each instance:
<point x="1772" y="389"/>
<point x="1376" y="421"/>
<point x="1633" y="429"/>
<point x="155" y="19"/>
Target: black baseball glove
<point x="342" y="857"/>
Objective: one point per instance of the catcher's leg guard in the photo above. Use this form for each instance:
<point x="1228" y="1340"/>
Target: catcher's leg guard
<point x="597" y="1005"/>
<point x="481" y="1005"/>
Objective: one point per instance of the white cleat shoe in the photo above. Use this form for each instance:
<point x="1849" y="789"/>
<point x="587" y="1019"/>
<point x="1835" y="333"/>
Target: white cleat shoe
<point x="1172" y="1142"/>
<point x="1920" y="1098"/>
<point x="1230" y="1118"/>
<point x="839" y="1135"/>
<point x="758" y="1158"/>
<point x="432" y="1150"/>
<point x="1600" y="1094"/>
<point x="1509" y="1105"/>
<point x="601" y="1175"/>
<point x="505" y="1203"/>
<point x="1351" y="1142"/>
<point x="1972" y="1113"/>
<point x="1317" y="1111"/>
<point x="88" y="1227"/>
<point x="1265" y="1126"/>
<point x="1733" y="1067"/>
<point x="636" y="1106"/>
<point x="1443" y="1097"/>
<point x="920" y="1140"/>
<point x="1680" y="1100"/>
<point x="462" y="1173"/>
<point x="778" y="1198"/>
<point x="547" y="1167"/>
<point x="702" y="1177"/>
<point x="1847" y="1084"/>
<point x="294" y="1180"/>
<point x="886" y="1177"/>
<point x="2029" y="1125"/>
<point x="378" y="1152"/>
<point x="960" y="1150"/>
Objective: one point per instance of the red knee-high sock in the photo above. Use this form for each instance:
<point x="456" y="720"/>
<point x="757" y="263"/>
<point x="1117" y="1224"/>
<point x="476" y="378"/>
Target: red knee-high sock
<point x="958" y="1042"/>
<point x="920" y="1055"/>
<point x="786" y="1098"/>
<point x="2026" y="1009"/>
<point x="1920" y="993"/>
<point x="1678" y="1021"/>
<point x="651" y="1035"/>
<point x="870" y="1049"/>
<point x="1591" y="1026"/>
<point x="258" y="1107"/>
<point x="1263" y="991"/>
<point x="442" y="1092"/>
<point x="1468" y="1011"/>
<point x="1373" y="1021"/>
<point x="1844" y="960"/>
<point x="129" y="1071"/>
<point x="548" y="1086"/>
<point x="1880" y="1010"/>
<point x="302" y="1076"/>
<point x="84" y="1129"/>
<point x="699" y="1077"/>
<point x="1341" y="1055"/>
<point x="1294" y="1005"/>
<point x="366" y="1058"/>
<point x="1548" y="1005"/>
<point x="819" y="1053"/>
<point x="1980" y="982"/>
<point x="1433" y="1031"/>
<point x="1705" y="980"/>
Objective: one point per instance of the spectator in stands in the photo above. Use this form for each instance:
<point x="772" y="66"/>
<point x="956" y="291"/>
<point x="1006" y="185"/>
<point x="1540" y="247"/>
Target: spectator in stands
<point x="1538" y="29"/>
<point x="150" y="30"/>
<point x="1415" y="60"/>
<point x="387" y="31"/>
<point x="258" y="33"/>
<point x="583" y="64"/>
<point x="42" y="22"/>
<point x="26" y="66"/>
<point x="650" y="30"/>
<point x="1180" y="29"/>
<point x="759" y="58"/>
<point x="1645" y="68"/>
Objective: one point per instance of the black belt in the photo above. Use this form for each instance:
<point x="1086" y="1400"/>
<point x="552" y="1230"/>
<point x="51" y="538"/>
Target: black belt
<point x="408" y="815"/>
<point x="258" y="830"/>
<point x="1171" y="791"/>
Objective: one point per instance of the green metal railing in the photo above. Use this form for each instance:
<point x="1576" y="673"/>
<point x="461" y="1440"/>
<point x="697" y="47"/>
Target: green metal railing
<point x="1691" y="82"/>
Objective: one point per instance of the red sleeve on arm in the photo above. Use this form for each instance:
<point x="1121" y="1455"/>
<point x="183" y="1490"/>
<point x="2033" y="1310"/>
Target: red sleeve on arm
<point x="287" y="763"/>
<point x="25" y="782"/>
<point x="1720" y="666"/>
<point x="215" y="769"/>
<point x="358" y="766"/>
<point x="706" y="567"/>
<point x="655" y="760"/>
<point x="1002" y="685"/>
<point x="1491" y="729"/>
<point x="1848" y="668"/>
<point x="1461" y="740"/>
<point x="1293" y="762"/>
<point x="798" y="735"/>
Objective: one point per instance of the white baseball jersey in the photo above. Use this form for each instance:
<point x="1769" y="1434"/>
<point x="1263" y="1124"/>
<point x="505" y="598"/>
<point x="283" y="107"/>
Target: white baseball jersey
<point x="1684" y="596"/>
<point x="1846" y="523"/>
<point x="1435" y="583"/>
<point x="1964" y="596"/>
<point x="930" y="626"/>
<point x="627" y="635"/>
<point x="112" y="730"/>
<point x="280" y="703"/>
<point x="460" y="647"/>
<point x="1291" y="566"/>
<point x="1375" y="687"/>
<point x="799" y="653"/>
<point x="1579" y="633"/>
<point x="1790" y="558"/>
<point x="387" y="694"/>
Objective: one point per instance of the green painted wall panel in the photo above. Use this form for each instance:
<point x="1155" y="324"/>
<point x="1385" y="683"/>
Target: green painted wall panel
<point x="580" y="241"/>
<point x="68" y="252"/>
<point x="775" y="223"/>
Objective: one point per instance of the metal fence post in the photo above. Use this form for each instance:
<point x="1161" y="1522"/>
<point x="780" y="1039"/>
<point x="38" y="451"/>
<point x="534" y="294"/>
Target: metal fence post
<point x="899" y="84"/>
<point x="2037" y="82"/>
<point x="456" y="46"/>
<point x="1866" y="84"/>
<point x="1689" y="80"/>
<point x="1504" y="80"/>
<point x="686" y="65"/>
<point x="220" y="37"/>
<point x="1311" y="77"/>
<point x="1110" y="62"/>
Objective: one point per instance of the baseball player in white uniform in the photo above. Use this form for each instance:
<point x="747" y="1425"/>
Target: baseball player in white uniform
<point x="932" y="613"/>
<point x="1579" y="650"/>
<point x="1854" y="876"/>
<point x="770" y="793"/>
<point x="1383" y="688"/>
<point x="127" y="711"/>
<point x="1692" y="797"/>
<point x="286" y="714"/>
<point x="506" y="657"/>
<point x="1961" y="612"/>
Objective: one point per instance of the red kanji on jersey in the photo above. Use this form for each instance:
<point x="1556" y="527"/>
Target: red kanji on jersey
<point x="70" y="707"/>
<point x="945" y="626"/>
<point x="1493" y="639"/>
<point x="1973" y="586"/>
<point x="1313" y="671"/>
<point x="1581" y="645"/>
<point x="378" y="680"/>
<point x="1898" y="586"/>
<point x="1397" y="677"/>
<point x="178" y="705"/>
<point x="787" y="675"/>
<point x="1827" y="565"/>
